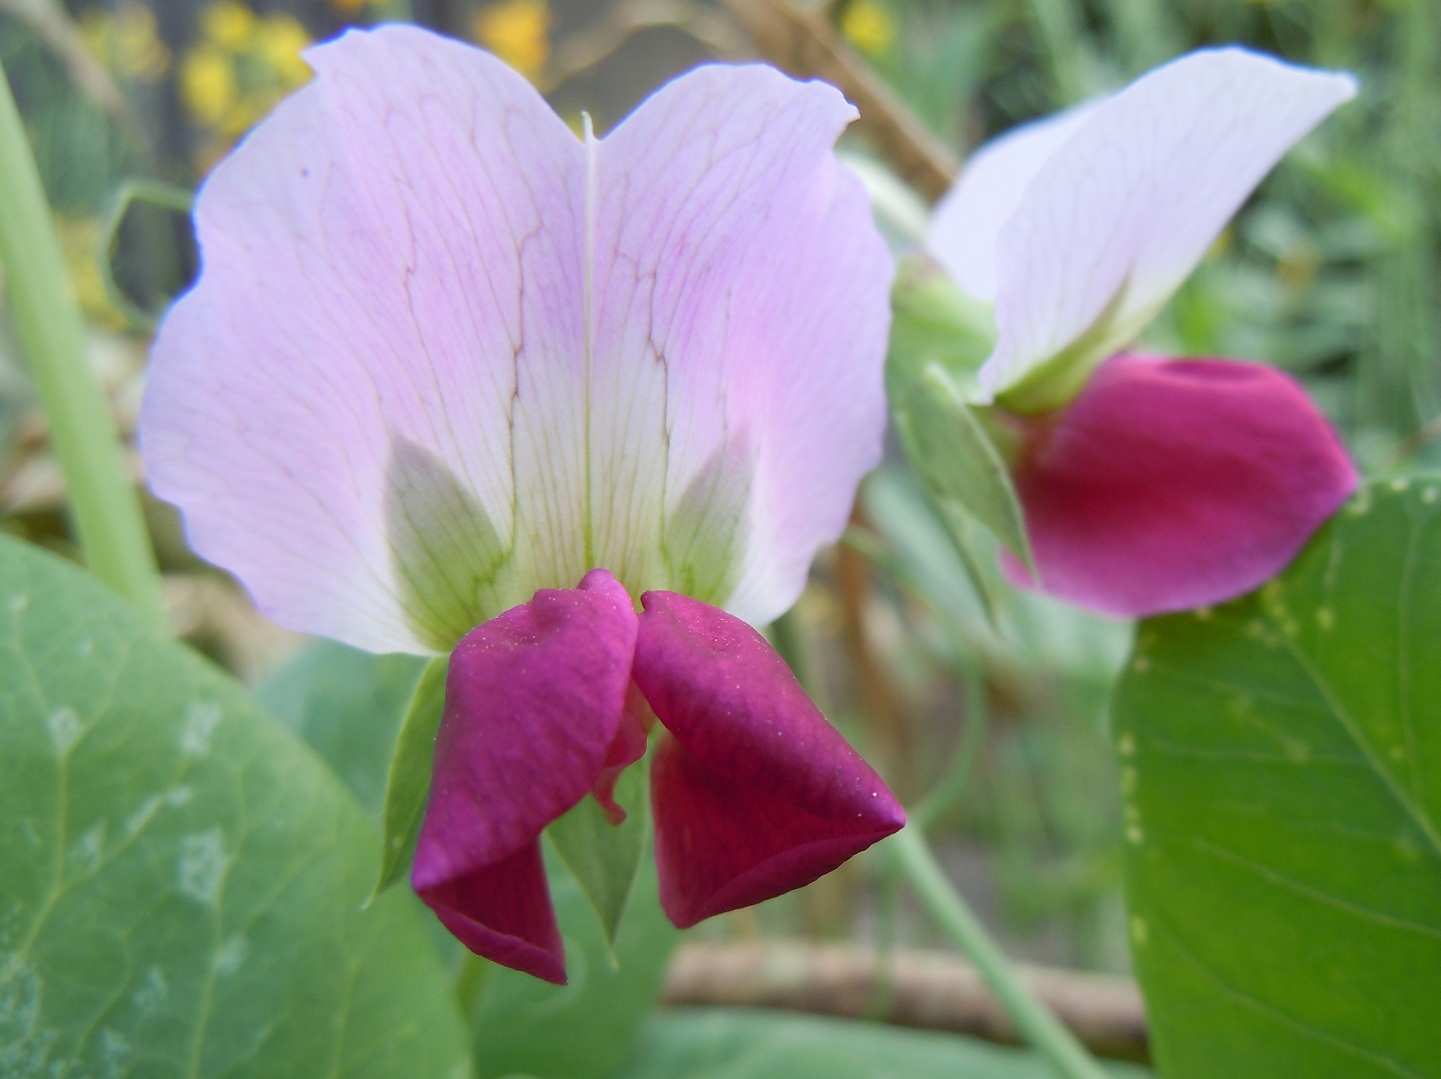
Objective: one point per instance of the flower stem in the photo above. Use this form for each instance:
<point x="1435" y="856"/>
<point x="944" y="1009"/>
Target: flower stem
<point x="1034" y="1020"/>
<point x="103" y="504"/>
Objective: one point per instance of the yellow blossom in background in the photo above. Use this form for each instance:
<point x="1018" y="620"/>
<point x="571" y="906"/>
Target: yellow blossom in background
<point x="869" y="27"/>
<point x="281" y="41"/>
<point x="127" y="42"/>
<point x="518" y="32"/>
<point x="207" y="84"/>
<point x="237" y="71"/>
<point x="229" y="24"/>
<point x="80" y="240"/>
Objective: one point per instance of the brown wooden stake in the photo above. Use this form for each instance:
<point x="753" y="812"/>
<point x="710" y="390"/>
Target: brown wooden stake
<point x="807" y="45"/>
<point x="929" y="990"/>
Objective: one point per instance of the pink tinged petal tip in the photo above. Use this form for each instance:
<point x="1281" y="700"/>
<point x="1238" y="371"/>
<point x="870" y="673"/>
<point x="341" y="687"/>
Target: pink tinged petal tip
<point x="1171" y="484"/>
<point x="754" y="792"/>
<point x="533" y="705"/>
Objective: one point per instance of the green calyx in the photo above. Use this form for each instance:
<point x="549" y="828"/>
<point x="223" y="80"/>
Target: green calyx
<point x="934" y="322"/>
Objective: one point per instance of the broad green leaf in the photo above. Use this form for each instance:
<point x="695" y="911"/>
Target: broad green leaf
<point x="373" y="718"/>
<point x="1282" y="767"/>
<point x="583" y="1030"/>
<point x="408" y="781"/>
<point x="733" y="1043"/>
<point x="605" y="857"/>
<point x="348" y="705"/>
<point x="181" y="877"/>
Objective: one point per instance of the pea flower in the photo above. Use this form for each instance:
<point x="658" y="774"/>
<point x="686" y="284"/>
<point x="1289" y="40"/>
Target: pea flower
<point x="1147" y="484"/>
<point x="445" y="360"/>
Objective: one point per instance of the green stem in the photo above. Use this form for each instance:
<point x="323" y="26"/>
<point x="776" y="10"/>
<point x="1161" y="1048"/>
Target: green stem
<point x="106" y="512"/>
<point x="1034" y="1020"/>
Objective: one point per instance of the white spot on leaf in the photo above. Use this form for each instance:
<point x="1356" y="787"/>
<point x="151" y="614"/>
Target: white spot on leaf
<point x="201" y="719"/>
<point x="18" y="602"/>
<point x="142" y="816"/>
<point x="232" y="956"/>
<point x="84" y="854"/>
<point x="202" y="865"/>
<point x="24" y="1044"/>
<point x="153" y="990"/>
<point x="115" y="1054"/>
<point x="65" y="729"/>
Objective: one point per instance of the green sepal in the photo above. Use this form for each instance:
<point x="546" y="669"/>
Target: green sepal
<point x="408" y="782"/>
<point x="933" y="321"/>
<point x="603" y="857"/>
<point x="939" y="339"/>
<point x="951" y="446"/>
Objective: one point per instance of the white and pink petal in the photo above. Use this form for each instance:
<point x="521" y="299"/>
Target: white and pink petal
<point x="1114" y="214"/>
<point x="443" y="353"/>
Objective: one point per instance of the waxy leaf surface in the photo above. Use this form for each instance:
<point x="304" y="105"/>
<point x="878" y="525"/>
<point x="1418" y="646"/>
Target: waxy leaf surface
<point x="180" y="877"/>
<point x="347" y="705"/>
<point x="1281" y="759"/>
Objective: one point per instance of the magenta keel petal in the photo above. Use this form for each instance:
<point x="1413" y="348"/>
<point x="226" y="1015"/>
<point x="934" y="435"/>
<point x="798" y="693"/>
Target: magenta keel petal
<point x="754" y="793"/>
<point x="503" y="912"/>
<point x="1170" y="484"/>
<point x="534" y="700"/>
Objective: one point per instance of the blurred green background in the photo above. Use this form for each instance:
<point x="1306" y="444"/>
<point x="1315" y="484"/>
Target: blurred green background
<point x="1331" y="272"/>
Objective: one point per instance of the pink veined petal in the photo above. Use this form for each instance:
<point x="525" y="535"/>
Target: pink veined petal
<point x="533" y="703"/>
<point x="1170" y="484"/>
<point x="1124" y="208"/>
<point x="754" y="793"/>
<point x="742" y="308"/>
<point x="392" y="272"/>
<point x="426" y="308"/>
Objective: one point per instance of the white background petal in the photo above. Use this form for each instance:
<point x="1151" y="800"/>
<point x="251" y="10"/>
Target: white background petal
<point x="968" y="220"/>
<point x="1126" y="206"/>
